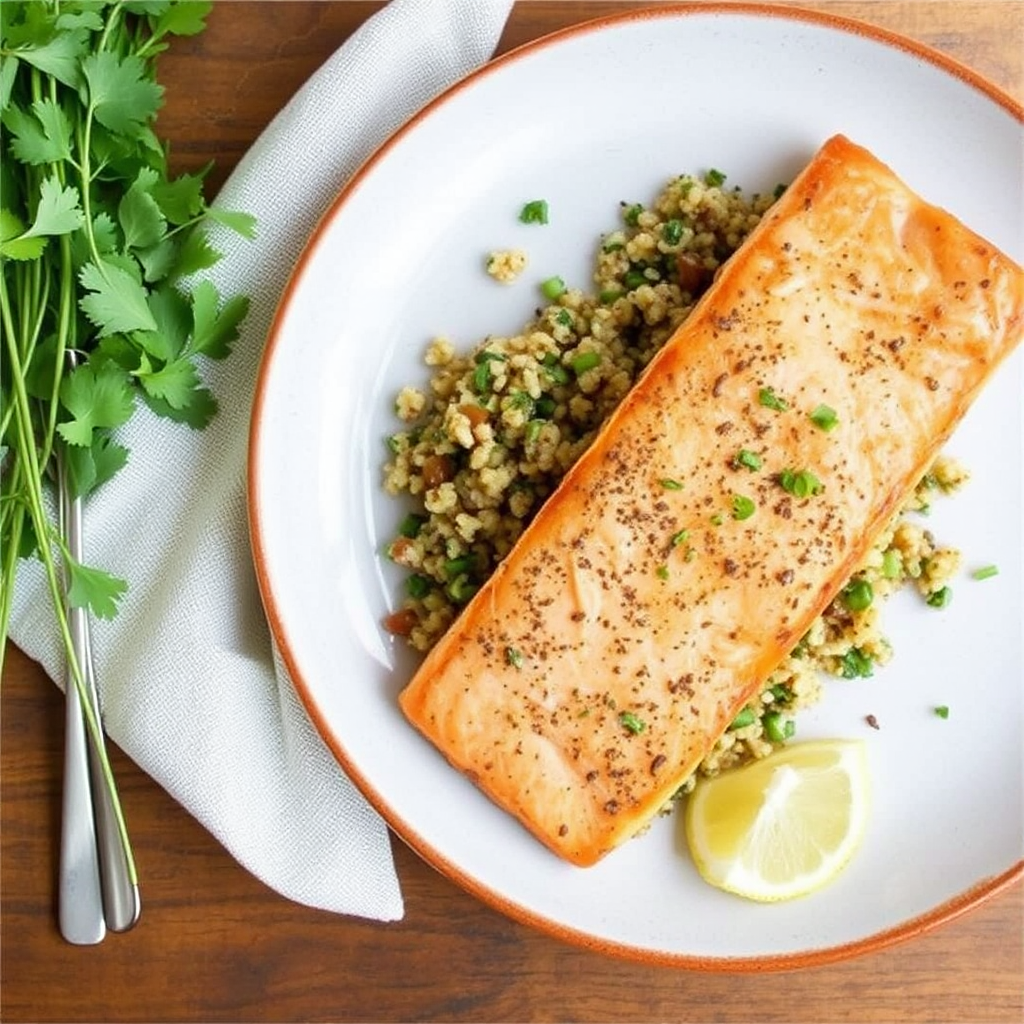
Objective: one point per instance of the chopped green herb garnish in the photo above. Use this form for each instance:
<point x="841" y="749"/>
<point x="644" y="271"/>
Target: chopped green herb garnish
<point x="411" y="525"/>
<point x="671" y="485"/>
<point x="485" y="355"/>
<point x="777" y="727"/>
<point x="672" y="231"/>
<point x="679" y="538"/>
<point x="779" y="189"/>
<point x="394" y="443"/>
<point x="631" y="214"/>
<point x="514" y="657"/>
<point x="482" y="377"/>
<point x="552" y="288"/>
<point x="461" y="589"/>
<point x="745" y="457"/>
<point x="891" y="564"/>
<point x="454" y="567"/>
<point x="824" y="417"/>
<point x="555" y="370"/>
<point x="564" y="318"/>
<point x="630" y="721"/>
<point x="418" y="586"/>
<point x="856" y="664"/>
<point x="661" y="572"/>
<point x="985" y="572"/>
<point x="746" y="717"/>
<point x="942" y="711"/>
<point x="940" y="598"/>
<point x="585" y="361"/>
<point x="714" y="178"/>
<point x="800" y="483"/>
<point x="717" y="519"/>
<point x="781" y="694"/>
<point x="532" y="431"/>
<point x="770" y="400"/>
<point x="535" y="212"/>
<point x="857" y="595"/>
<point x="742" y="507"/>
<point x="634" y="278"/>
<point x="613" y="246"/>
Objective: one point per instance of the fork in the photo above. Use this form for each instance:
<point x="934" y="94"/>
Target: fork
<point x="96" y="890"/>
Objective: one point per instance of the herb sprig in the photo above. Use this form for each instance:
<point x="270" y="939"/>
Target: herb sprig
<point x="98" y="244"/>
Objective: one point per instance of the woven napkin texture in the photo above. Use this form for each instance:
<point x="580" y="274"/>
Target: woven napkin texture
<point x="190" y="684"/>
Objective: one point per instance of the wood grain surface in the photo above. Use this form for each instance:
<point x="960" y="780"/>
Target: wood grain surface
<point x="214" y="944"/>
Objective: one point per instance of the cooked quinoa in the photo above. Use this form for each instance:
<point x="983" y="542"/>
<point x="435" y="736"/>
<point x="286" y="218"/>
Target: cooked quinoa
<point x="505" y="265"/>
<point x="494" y="430"/>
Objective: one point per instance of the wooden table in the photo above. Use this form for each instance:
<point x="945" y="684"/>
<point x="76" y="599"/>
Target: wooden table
<point x="215" y="944"/>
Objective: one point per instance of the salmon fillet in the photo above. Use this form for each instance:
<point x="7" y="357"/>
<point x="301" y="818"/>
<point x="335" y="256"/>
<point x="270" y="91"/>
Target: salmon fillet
<point x="663" y="582"/>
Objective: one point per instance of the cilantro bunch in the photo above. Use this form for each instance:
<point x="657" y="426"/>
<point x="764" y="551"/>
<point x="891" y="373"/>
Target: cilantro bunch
<point x="97" y="243"/>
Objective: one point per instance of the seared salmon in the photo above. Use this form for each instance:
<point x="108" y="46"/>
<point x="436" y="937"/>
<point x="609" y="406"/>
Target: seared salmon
<point x="669" y="574"/>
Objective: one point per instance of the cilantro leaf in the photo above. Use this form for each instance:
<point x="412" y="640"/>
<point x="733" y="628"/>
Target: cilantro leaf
<point x="173" y="383"/>
<point x="158" y="260"/>
<point x="201" y="408"/>
<point x="95" y="397"/>
<point x="122" y="98"/>
<point x="196" y="254"/>
<point x="8" y="73"/>
<point x="140" y="217"/>
<point x="13" y="243"/>
<point x="243" y="224"/>
<point x="173" y="322"/>
<point x="183" y="19"/>
<point x="116" y="301"/>
<point x="58" y="212"/>
<point x="104" y="232"/>
<point x="88" y="468"/>
<point x="180" y="199"/>
<point x="42" y="137"/>
<point x="59" y="56"/>
<point x="94" y="589"/>
<point x="215" y="329"/>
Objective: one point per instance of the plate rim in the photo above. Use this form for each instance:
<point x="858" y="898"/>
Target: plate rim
<point x="945" y="912"/>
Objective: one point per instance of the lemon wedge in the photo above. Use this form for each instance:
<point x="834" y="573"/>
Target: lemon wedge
<point x="782" y="826"/>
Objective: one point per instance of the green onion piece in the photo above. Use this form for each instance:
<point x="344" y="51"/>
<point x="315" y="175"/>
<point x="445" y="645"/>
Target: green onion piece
<point x="486" y="355"/>
<point x="634" y="279"/>
<point x="743" y="719"/>
<point x="552" y="288"/>
<point x="774" y="724"/>
<point x="535" y="212"/>
<point x="564" y="317"/>
<point x="714" y="178"/>
<point x="672" y="231"/>
<point x="454" y="567"/>
<point x="417" y="586"/>
<point x="891" y="564"/>
<point x="661" y="572"/>
<point x="585" y="361"/>
<point x="857" y="595"/>
<point x="629" y="721"/>
<point x="800" y="483"/>
<point x="825" y="418"/>
<point x="781" y="693"/>
<point x="533" y="429"/>
<point x="679" y="538"/>
<point x="411" y="525"/>
<point x="555" y="370"/>
<point x="671" y="485"/>
<point x="514" y="657"/>
<point x="985" y="572"/>
<point x="461" y="589"/>
<point x="631" y="214"/>
<point x="742" y="507"/>
<point x="770" y="400"/>
<point x="610" y="295"/>
<point x="940" y="598"/>
<point x="856" y="664"/>
<point x="942" y="711"/>
<point x="545" y="407"/>
<point x="717" y="519"/>
<point x="745" y="457"/>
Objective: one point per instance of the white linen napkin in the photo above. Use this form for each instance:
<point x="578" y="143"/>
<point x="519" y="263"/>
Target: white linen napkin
<point x="190" y="684"/>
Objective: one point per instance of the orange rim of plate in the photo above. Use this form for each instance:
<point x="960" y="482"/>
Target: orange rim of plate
<point x="945" y="912"/>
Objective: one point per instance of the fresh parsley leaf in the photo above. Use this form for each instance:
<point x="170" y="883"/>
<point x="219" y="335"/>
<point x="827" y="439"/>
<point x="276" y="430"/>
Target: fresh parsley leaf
<point x="201" y="408"/>
<point x="196" y="254"/>
<point x="58" y="212"/>
<point x="94" y="589"/>
<point x="140" y="217"/>
<point x="14" y="245"/>
<point x="214" y="329"/>
<point x="95" y="398"/>
<point x="59" y="56"/>
<point x="122" y="98"/>
<point x="40" y="137"/>
<point x="116" y="301"/>
<point x="243" y="224"/>
<point x="180" y="19"/>
<point x="174" y="383"/>
<point x="181" y="200"/>
<point x="89" y="468"/>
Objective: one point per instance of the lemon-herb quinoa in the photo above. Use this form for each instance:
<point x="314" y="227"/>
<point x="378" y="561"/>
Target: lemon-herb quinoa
<point x="496" y="429"/>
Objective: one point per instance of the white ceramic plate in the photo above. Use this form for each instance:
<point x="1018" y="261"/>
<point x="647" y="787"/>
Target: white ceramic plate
<point x="586" y="118"/>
